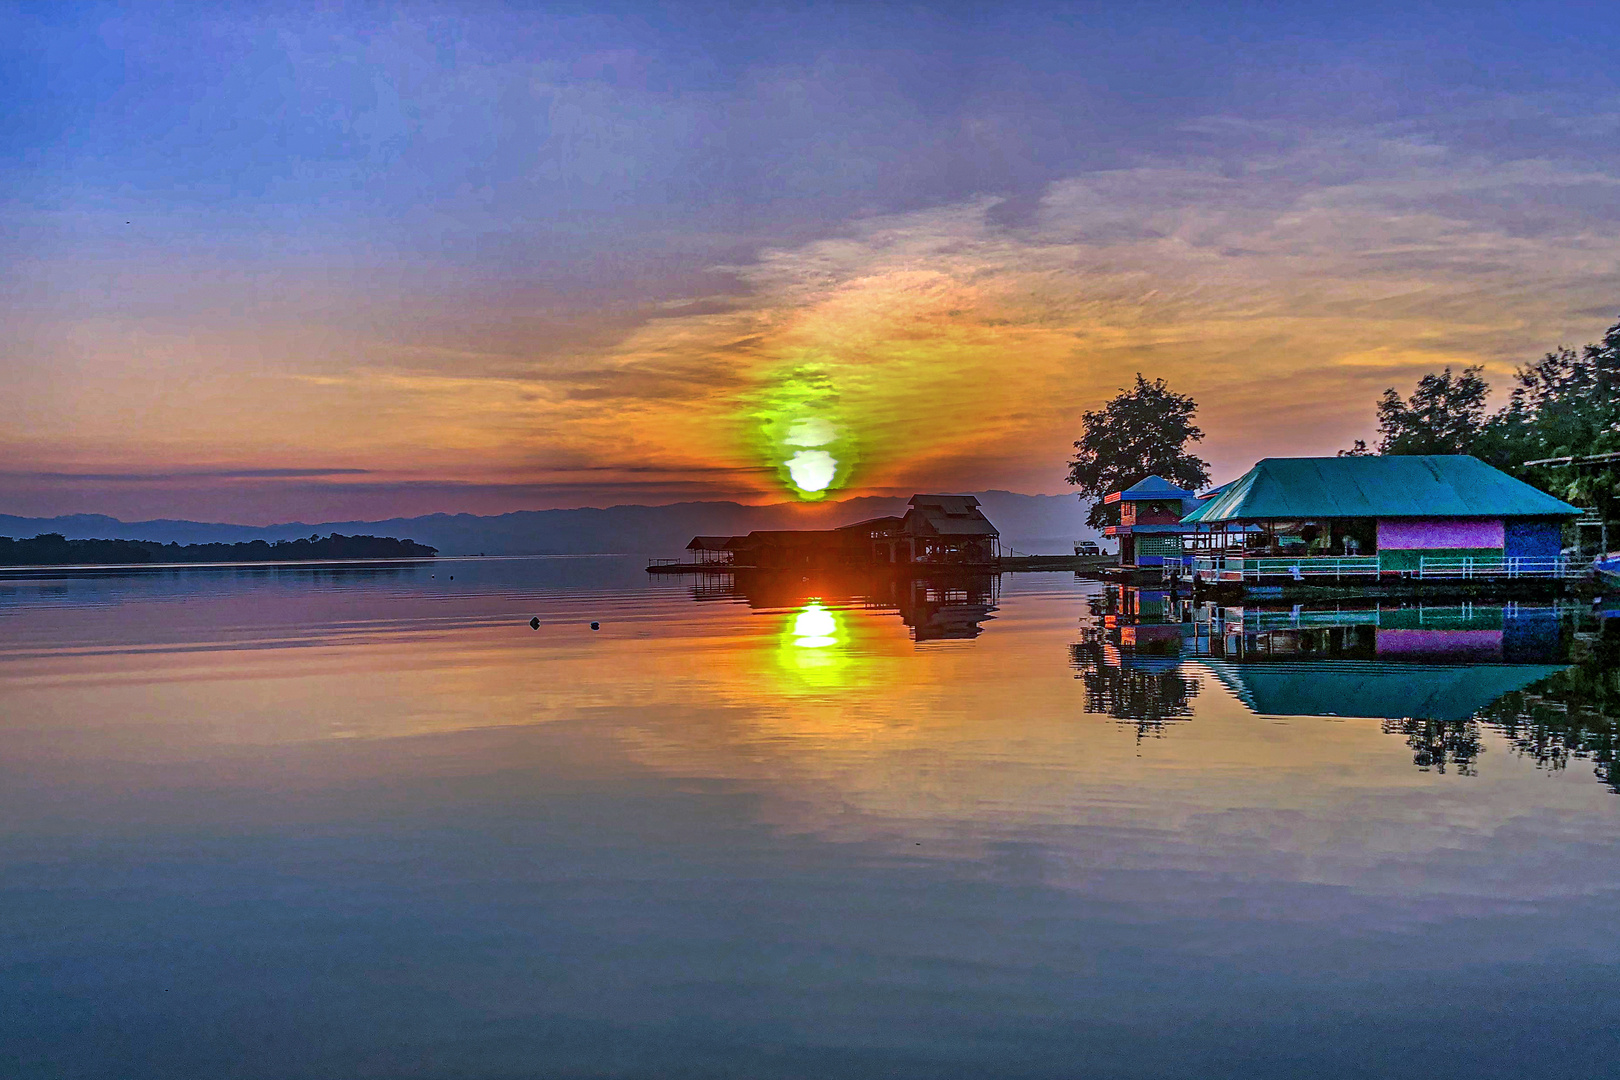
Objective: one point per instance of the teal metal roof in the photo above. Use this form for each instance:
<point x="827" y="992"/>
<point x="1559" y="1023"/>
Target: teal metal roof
<point x="1393" y="486"/>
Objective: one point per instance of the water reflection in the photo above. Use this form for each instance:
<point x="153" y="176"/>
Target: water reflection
<point x="1543" y="676"/>
<point x="794" y="821"/>
<point x="814" y="627"/>
<point x="1573" y="714"/>
<point x="946" y="607"/>
<point x="1142" y="691"/>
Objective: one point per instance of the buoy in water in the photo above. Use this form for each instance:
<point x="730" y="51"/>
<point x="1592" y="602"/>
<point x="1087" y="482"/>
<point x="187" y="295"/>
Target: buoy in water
<point x="596" y="626"/>
<point x="534" y="623"/>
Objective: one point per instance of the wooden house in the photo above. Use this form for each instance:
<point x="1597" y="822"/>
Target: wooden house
<point x="936" y="530"/>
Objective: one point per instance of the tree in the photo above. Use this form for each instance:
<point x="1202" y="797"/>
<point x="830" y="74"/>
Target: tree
<point x="1142" y="432"/>
<point x="1444" y="415"/>
<point x="1567" y="403"/>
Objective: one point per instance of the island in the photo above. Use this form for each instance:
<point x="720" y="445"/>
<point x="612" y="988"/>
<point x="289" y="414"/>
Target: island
<point x="54" y="549"/>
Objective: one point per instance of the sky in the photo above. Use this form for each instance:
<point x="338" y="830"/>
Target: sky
<point x="277" y="262"/>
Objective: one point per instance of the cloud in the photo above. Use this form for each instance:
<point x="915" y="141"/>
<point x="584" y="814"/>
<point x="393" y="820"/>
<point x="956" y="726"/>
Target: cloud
<point x="1283" y="274"/>
<point x="180" y="475"/>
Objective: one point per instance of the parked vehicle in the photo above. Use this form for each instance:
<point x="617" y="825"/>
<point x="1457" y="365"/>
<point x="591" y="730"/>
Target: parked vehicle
<point x="1087" y="547"/>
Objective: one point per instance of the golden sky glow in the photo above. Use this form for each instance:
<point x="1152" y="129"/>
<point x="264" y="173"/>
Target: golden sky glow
<point x="574" y="333"/>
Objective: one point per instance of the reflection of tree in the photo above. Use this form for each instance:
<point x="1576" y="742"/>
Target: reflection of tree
<point x="1133" y="695"/>
<point x="1573" y="714"/>
<point x="1438" y="743"/>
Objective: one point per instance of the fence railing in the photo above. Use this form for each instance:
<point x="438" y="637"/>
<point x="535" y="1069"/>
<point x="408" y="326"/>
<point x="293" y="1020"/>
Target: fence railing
<point x="1465" y="568"/>
<point x="1438" y="568"/>
<point x="1298" y="569"/>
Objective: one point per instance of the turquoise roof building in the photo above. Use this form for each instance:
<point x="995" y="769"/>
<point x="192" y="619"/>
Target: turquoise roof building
<point x="1429" y="516"/>
<point x="1417" y="486"/>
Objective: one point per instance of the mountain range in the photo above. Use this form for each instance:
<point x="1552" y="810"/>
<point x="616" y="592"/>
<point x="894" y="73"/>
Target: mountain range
<point x="1033" y="524"/>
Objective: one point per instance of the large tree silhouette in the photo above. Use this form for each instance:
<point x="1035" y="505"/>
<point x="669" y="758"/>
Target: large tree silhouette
<point x="1444" y="415"/>
<point x="1142" y="432"/>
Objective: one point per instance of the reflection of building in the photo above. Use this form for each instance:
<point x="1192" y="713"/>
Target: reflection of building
<point x="1130" y="658"/>
<point x="1142" y="622"/>
<point x="945" y="531"/>
<point x="937" y="608"/>
<point x="1339" y="687"/>
<point x="1421" y="517"/>
<point x="1510" y="633"/>
<point x="940" y="609"/>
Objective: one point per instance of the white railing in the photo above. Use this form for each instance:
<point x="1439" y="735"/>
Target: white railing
<point x="1466" y="568"/>
<point x="1281" y="566"/>
<point x="1434" y="568"/>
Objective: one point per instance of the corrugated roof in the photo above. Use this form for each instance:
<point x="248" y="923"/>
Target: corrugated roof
<point x="787" y="538"/>
<point x="1393" y="486"/>
<point x="1148" y="489"/>
<point x="870" y="525"/>
<point x="954" y="526"/>
<point x="948" y="515"/>
<point x="950" y="504"/>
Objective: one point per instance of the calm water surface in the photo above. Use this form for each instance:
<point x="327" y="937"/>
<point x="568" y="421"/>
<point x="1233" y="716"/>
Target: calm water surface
<point x="287" y="823"/>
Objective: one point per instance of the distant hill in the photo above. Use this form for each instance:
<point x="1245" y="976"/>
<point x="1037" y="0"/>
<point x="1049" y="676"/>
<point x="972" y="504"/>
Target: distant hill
<point x="1034" y="524"/>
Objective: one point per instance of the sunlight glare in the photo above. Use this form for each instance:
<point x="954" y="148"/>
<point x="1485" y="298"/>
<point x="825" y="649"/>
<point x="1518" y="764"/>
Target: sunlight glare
<point x="812" y="470"/>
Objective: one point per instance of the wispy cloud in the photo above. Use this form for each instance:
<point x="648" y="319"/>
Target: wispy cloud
<point x="1282" y="273"/>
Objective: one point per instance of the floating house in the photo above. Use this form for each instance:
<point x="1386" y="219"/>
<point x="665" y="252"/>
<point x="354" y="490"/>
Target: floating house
<point x="1150" y="528"/>
<point x="935" y="531"/>
<point x="1432" y="516"/>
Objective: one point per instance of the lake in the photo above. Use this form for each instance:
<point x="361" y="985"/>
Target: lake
<point x="279" y="822"/>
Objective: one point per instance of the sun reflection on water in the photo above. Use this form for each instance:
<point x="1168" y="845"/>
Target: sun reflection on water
<point x="815" y="647"/>
<point x="814" y="627"/>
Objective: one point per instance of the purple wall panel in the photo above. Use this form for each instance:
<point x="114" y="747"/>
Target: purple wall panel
<point x="1453" y="644"/>
<point x="1440" y="533"/>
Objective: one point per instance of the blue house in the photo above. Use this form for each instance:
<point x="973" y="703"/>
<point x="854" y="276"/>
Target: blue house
<point x="1150" y="528"/>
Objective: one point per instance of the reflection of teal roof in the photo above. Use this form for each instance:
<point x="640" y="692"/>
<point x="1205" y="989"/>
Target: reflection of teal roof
<point x="1435" y="485"/>
<point x="1369" y="688"/>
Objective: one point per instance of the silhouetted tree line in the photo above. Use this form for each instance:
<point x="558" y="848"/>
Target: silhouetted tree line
<point x="54" y="549"/>
<point x="1567" y="403"/>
